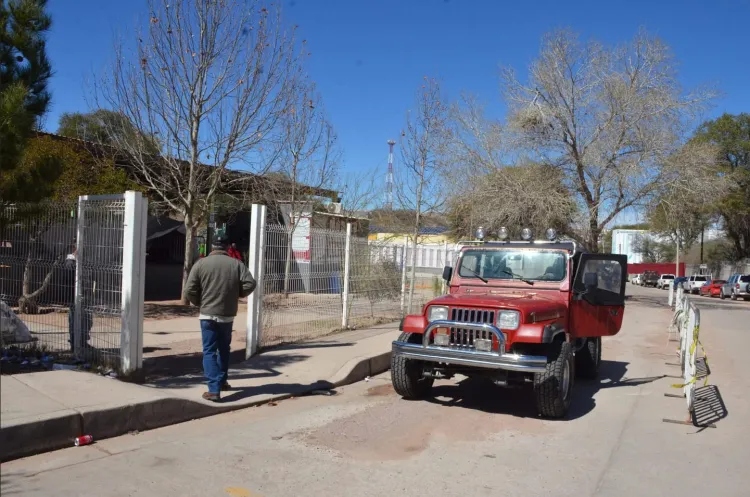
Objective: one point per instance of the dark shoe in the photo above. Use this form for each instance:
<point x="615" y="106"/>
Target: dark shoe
<point x="225" y="386"/>
<point x="213" y="397"/>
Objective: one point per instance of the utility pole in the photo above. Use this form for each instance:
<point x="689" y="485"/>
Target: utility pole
<point x="389" y="177"/>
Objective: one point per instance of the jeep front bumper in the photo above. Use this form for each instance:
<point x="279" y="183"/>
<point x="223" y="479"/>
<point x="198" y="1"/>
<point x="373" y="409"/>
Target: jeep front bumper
<point x="467" y="355"/>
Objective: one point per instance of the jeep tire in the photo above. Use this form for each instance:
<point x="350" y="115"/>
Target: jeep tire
<point x="406" y="374"/>
<point x="588" y="359"/>
<point x="554" y="387"/>
<point x="721" y="294"/>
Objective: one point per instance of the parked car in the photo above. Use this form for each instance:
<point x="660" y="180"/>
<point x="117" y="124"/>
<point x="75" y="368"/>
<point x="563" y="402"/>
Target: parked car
<point x="664" y="281"/>
<point x="679" y="281"/>
<point x="737" y="286"/>
<point x="711" y="288"/>
<point x="649" y="278"/>
<point x="635" y="279"/>
<point x="512" y="341"/>
<point x="694" y="283"/>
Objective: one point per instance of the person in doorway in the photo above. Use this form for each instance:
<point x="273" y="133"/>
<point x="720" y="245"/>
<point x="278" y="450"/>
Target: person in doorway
<point x="215" y="284"/>
<point x="234" y="253"/>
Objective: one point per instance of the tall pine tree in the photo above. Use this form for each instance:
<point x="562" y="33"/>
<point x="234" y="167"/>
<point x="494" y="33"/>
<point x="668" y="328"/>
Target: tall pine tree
<point x="24" y="98"/>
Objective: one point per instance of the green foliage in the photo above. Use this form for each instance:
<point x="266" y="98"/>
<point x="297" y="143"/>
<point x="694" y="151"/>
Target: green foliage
<point x="105" y="127"/>
<point x="732" y="134"/>
<point x="80" y="172"/>
<point x="24" y="74"/>
<point x="654" y="251"/>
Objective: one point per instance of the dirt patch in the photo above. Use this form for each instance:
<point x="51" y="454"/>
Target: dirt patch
<point x="399" y="429"/>
<point x="380" y="390"/>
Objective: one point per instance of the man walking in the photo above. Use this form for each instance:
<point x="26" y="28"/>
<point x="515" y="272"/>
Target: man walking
<point x="215" y="284"/>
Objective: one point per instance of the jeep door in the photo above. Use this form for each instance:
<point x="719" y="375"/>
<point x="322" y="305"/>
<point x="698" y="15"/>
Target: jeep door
<point x="598" y="300"/>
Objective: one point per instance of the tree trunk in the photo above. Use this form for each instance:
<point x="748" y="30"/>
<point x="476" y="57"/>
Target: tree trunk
<point x="27" y="303"/>
<point x="412" y="270"/>
<point x="189" y="253"/>
<point x="593" y="239"/>
<point x="288" y="263"/>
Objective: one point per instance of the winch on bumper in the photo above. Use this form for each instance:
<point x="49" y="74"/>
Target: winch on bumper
<point x="468" y="353"/>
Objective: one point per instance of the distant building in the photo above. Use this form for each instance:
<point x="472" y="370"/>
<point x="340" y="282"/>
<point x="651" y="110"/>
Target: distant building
<point x="624" y="242"/>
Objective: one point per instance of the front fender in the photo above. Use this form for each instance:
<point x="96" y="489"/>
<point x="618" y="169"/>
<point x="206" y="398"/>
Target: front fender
<point x="413" y="324"/>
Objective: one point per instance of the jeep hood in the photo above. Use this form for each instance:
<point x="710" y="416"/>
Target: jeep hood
<point x="526" y="302"/>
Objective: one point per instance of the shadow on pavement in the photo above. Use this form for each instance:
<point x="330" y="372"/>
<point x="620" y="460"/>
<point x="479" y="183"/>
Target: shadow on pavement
<point x="186" y="370"/>
<point x="483" y="395"/>
<point x="274" y="389"/>
<point x="708" y="406"/>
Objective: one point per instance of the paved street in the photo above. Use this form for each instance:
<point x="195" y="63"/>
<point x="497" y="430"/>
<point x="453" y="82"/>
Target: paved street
<point x="471" y="439"/>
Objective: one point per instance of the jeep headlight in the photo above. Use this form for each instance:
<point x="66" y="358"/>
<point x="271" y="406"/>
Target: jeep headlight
<point x="437" y="313"/>
<point x="508" y="320"/>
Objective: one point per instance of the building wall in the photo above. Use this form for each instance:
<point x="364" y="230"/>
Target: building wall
<point x="623" y="242"/>
<point x="398" y="237"/>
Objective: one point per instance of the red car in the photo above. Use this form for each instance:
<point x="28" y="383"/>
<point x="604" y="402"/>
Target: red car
<point x="712" y="288"/>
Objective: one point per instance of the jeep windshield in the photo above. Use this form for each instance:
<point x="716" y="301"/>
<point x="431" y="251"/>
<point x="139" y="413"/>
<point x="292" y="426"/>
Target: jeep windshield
<point x="509" y="264"/>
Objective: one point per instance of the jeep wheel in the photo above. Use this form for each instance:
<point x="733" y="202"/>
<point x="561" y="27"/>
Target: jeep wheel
<point x="554" y="387"/>
<point x="588" y="359"/>
<point x="721" y="295"/>
<point x="406" y="374"/>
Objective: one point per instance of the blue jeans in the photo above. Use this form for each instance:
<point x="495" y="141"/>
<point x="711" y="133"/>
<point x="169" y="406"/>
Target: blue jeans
<point x="216" y="340"/>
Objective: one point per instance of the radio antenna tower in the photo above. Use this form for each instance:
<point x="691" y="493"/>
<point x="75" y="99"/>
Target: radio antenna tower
<point x="389" y="177"/>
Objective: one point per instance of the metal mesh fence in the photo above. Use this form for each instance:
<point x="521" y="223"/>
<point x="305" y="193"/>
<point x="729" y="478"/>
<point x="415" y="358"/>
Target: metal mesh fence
<point x="302" y="284"/>
<point x="35" y="280"/>
<point x="38" y="277"/>
<point x="99" y="316"/>
<point x="374" y="283"/>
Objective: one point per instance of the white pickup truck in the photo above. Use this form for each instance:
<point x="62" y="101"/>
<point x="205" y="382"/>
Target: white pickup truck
<point x="664" y="281"/>
<point x="694" y="283"/>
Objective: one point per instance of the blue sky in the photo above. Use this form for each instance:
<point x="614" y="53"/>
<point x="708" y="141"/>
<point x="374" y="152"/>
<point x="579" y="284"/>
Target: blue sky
<point x="369" y="57"/>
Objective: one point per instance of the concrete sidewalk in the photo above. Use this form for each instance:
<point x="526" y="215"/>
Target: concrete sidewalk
<point x="46" y="411"/>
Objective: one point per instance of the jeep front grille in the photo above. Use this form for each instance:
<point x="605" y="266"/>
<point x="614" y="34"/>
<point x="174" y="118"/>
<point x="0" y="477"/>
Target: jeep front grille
<point x="463" y="338"/>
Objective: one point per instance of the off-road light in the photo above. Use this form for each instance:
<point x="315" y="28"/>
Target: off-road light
<point x="442" y="337"/>
<point x="480" y="233"/>
<point x="551" y="234"/>
<point x="502" y="233"/>
<point x="526" y="234"/>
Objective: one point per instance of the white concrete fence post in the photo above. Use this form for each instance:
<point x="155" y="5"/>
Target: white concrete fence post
<point x="347" y="270"/>
<point x="133" y="281"/>
<point x="403" y="273"/>
<point x="256" y="265"/>
<point x="445" y="263"/>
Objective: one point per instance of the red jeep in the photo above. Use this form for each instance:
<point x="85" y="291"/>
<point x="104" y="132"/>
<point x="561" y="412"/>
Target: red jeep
<point x="516" y="312"/>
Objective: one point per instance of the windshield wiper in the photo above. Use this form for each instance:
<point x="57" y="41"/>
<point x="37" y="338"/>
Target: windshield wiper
<point x="475" y="273"/>
<point x="518" y="276"/>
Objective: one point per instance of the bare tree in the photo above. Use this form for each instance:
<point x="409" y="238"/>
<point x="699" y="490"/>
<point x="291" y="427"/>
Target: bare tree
<point x="607" y="117"/>
<point x="540" y="200"/>
<point x="691" y="181"/>
<point x="210" y="82"/>
<point x="307" y="155"/>
<point x="423" y="149"/>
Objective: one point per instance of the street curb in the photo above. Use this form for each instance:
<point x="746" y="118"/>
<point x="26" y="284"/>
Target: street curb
<point x="45" y="435"/>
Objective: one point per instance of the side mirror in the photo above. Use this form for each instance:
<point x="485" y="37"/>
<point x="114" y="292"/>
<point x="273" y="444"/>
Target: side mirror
<point x="447" y="273"/>
<point x="590" y="281"/>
